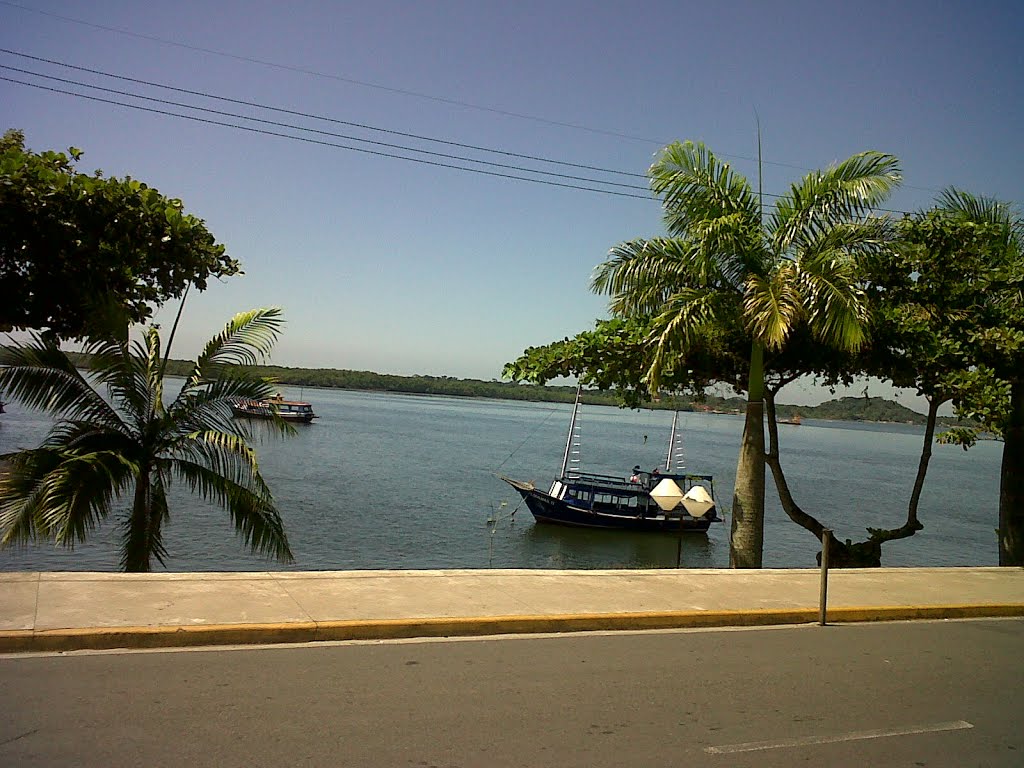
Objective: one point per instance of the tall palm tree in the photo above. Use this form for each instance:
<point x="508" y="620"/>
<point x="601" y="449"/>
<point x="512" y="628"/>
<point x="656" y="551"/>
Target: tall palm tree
<point x="130" y="445"/>
<point x="724" y="261"/>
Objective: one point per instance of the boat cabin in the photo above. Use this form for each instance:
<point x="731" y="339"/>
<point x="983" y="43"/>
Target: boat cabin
<point x="608" y="494"/>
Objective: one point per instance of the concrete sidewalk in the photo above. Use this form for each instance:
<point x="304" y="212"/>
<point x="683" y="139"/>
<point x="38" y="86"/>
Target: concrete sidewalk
<point x="71" y="611"/>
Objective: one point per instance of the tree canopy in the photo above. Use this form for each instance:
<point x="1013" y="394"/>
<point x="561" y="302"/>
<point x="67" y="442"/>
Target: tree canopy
<point x="73" y="244"/>
<point x="726" y="266"/>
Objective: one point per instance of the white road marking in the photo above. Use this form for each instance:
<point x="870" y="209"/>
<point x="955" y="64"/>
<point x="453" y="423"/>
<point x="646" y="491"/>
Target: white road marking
<point x="757" y="746"/>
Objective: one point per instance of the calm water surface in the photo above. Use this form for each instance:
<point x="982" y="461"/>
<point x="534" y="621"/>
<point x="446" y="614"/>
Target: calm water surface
<point x="399" y="481"/>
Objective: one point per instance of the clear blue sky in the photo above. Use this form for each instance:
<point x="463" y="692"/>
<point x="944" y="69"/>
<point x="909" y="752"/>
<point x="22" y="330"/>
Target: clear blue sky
<point x="398" y="267"/>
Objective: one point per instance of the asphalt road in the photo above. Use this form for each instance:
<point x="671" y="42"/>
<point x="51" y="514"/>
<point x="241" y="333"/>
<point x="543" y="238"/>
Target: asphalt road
<point x="908" y="694"/>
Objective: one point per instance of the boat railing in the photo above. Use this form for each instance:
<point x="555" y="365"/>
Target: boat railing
<point x="647" y="478"/>
<point x="611" y="479"/>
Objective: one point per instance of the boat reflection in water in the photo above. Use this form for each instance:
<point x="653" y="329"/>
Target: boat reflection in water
<point x="673" y="502"/>
<point x="560" y="547"/>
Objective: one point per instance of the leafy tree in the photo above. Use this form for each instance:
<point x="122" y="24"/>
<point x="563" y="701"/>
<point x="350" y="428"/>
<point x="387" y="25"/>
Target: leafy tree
<point x="926" y="295"/>
<point x="72" y="243"/>
<point x="130" y="445"/>
<point x="992" y="388"/>
<point x="945" y="319"/>
<point x="724" y="265"/>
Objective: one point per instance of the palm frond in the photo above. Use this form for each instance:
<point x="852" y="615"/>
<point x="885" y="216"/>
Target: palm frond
<point x="837" y="310"/>
<point x="85" y="436"/>
<point x="641" y="275"/>
<point x="42" y="377"/>
<point x="245" y="340"/>
<point x="21" y="493"/>
<point x="207" y="407"/>
<point x="735" y="247"/>
<point x="773" y="306"/>
<point x="154" y="369"/>
<point x="228" y="455"/>
<point x="840" y="193"/>
<point x="851" y="240"/>
<point x="59" y="495"/>
<point x="695" y="186"/>
<point x="986" y="210"/>
<point x="683" y="320"/>
<point x="250" y="506"/>
<point x="119" y="367"/>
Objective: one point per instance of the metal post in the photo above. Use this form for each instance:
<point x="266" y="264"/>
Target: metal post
<point x="826" y="534"/>
<point x="679" y="544"/>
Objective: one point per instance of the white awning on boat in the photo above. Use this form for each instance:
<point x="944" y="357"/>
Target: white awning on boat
<point x="698" y="501"/>
<point x="667" y="494"/>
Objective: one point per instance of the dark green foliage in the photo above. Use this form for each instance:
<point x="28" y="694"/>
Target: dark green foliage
<point x="72" y="244"/>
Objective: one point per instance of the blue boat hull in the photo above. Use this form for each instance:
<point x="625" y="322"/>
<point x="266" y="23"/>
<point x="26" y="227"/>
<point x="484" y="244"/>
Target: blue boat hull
<point x="549" y="510"/>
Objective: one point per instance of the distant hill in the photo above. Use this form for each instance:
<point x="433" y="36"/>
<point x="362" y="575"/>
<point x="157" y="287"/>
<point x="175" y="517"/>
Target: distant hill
<point x="843" y="409"/>
<point x="866" y="409"/>
<point x="846" y="408"/>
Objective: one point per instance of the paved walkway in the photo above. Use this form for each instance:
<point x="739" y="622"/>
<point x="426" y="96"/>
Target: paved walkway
<point x="69" y="611"/>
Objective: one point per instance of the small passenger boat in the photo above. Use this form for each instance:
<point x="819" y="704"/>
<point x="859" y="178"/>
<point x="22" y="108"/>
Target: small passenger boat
<point x="289" y="410"/>
<point x="673" y="502"/>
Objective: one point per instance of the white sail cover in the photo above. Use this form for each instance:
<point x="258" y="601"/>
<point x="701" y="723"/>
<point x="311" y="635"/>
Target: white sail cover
<point x="697" y="501"/>
<point x="667" y="494"/>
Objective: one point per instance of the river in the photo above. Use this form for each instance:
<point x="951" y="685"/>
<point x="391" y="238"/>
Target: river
<point x="400" y="481"/>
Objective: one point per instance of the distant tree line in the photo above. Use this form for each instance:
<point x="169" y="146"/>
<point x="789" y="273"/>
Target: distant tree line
<point x="843" y="409"/>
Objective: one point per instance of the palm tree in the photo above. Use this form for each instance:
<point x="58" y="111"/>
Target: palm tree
<point x="130" y="445"/>
<point x="724" y="262"/>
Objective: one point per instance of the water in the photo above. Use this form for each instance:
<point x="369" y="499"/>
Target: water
<point x="400" y="481"/>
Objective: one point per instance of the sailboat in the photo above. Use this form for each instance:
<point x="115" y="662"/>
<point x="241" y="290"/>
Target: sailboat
<point x="672" y="502"/>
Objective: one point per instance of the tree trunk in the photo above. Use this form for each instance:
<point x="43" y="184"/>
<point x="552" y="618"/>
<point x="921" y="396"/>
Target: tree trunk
<point x="747" y="537"/>
<point x="913" y="525"/>
<point x="136" y="555"/>
<point x="866" y="554"/>
<point x="1011" y="483"/>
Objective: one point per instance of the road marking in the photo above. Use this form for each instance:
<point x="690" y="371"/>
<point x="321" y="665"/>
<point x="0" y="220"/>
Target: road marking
<point x="756" y="746"/>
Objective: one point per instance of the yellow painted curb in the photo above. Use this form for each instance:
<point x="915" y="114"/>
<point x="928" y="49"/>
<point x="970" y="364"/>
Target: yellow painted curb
<point x="99" y="638"/>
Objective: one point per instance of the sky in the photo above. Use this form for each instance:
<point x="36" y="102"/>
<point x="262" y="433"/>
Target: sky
<point x="405" y="267"/>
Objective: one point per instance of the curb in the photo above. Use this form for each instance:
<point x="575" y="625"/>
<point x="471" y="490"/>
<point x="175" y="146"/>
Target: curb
<point x="105" y="638"/>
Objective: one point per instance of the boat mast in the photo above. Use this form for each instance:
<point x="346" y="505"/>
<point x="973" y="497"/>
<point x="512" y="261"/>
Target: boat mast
<point x="674" y="459"/>
<point x="569" y="444"/>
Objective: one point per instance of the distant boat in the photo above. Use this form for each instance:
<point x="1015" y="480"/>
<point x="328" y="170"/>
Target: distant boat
<point x="644" y="501"/>
<point x="289" y="410"/>
<point x="793" y="420"/>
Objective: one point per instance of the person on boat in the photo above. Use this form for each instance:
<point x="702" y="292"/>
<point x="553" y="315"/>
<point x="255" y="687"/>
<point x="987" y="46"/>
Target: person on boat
<point x="635" y="477"/>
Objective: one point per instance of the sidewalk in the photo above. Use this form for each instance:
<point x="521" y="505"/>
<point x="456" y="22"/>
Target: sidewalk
<point x="71" y="611"/>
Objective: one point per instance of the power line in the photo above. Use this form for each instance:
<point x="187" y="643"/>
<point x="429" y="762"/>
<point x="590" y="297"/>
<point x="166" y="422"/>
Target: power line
<point x="310" y="115"/>
<point x="335" y="135"/>
<point x="398" y="91"/>
<point x="330" y="76"/>
<point x="308" y="140"/>
<point x="332" y="134"/>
